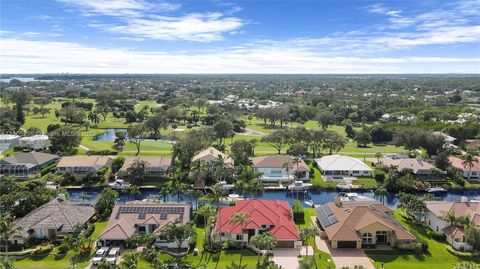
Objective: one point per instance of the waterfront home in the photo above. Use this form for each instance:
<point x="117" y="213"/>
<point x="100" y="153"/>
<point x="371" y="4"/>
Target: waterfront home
<point x="468" y="172"/>
<point x="360" y="225"/>
<point x="340" y="165"/>
<point x="280" y="168"/>
<point x="139" y="217"/>
<point x="156" y="166"/>
<point x="420" y="168"/>
<point x="55" y="218"/>
<point x="81" y="165"/>
<point x="436" y="218"/>
<point x="209" y="155"/>
<point x="272" y="216"/>
<point x="35" y="142"/>
<point x="26" y="164"/>
<point x="8" y="141"/>
<point x="449" y="140"/>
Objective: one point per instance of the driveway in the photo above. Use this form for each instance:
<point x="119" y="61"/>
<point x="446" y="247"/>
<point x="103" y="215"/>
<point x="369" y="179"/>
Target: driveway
<point x="345" y="257"/>
<point x="286" y="257"/>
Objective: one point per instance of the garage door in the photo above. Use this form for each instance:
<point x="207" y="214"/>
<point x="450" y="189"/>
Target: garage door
<point x="346" y="244"/>
<point x="285" y="244"/>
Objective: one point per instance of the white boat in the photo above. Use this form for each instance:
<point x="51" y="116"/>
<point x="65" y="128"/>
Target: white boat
<point x="309" y="203"/>
<point x="299" y="186"/>
<point x="119" y="184"/>
<point x="436" y="189"/>
<point x="232" y="198"/>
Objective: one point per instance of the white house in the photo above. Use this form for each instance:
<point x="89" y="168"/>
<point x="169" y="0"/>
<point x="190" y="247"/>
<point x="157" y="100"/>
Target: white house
<point x="280" y="168"/>
<point x="449" y="140"/>
<point x="436" y="214"/>
<point x="468" y="172"/>
<point x="339" y="165"/>
<point x="34" y="142"/>
<point x="8" y="141"/>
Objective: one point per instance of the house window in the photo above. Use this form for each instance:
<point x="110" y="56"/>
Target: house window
<point x="474" y="173"/>
<point x="222" y="234"/>
<point x="141" y="229"/>
<point x="429" y="222"/>
<point x="264" y="226"/>
<point x="437" y="228"/>
<point x="276" y="171"/>
<point x="239" y="237"/>
<point x="356" y="172"/>
<point x="367" y="238"/>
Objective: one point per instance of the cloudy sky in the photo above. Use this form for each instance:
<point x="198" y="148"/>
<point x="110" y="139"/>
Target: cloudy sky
<point x="196" y="36"/>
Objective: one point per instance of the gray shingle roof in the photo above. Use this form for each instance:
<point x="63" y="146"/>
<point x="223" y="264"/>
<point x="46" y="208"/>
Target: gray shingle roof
<point x="35" y="158"/>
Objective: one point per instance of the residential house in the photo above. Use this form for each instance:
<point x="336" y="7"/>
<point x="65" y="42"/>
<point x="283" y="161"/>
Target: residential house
<point x="436" y="214"/>
<point x="449" y="140"/>
<point x="139" y="217"/>
<point x="272" y="216"/>
<point x="35" y="142"/>
<point x="472" y="144"/>
<point x="360" y="225"/>
<point x="339" y="165"/>
<point x="156" y="166"/>
<point x="55" y="218"/>
<point x="280" y="168"/>
<point x="209" y="155"/>
<point x="26" y="164"/>
<point x="81" y="165"/>
<point x="468" y="172"/>
<point x="8" y="141"/>
<point x="420" y="168"/>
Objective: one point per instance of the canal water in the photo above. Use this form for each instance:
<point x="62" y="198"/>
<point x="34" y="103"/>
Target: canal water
<point x="317" y="196"/>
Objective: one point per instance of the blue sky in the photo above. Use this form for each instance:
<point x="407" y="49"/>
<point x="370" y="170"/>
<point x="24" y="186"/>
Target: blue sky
<point x="151" y="36"/>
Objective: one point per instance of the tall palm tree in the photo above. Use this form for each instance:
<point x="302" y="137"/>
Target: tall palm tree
<point x="218" y="192"/>
<point x="378" y="155"/>
<point x="305" y="234"/>
<point x="164" y="191"/>
<point x="381" y="192"/>
<point x="469" y="161"/>
<point x="451" y="218"/>
<point x="240" y="217"/>
<point x="7" y="229"/>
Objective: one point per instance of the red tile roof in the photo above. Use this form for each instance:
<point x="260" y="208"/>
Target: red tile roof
<point x="458" y="163"/>
<point x="275" y="213"/>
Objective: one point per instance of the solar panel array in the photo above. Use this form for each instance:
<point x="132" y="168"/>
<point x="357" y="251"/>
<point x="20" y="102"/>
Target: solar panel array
<point x="326" y="215"/>
<point x="142" y="211"/>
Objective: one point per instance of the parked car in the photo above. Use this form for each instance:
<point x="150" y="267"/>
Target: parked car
<point x="99" y="255"/>
<point x="113" y="255"/>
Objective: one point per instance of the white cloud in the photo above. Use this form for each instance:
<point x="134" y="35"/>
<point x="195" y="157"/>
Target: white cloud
<point x="193" y="27"/>
<point x="140" y="19"/>
<point x="27" y="56"/>
<point x="120" y="7"/>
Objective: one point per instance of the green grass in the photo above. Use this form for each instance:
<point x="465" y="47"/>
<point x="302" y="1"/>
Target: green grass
<point x="54" y="261"/>
<point x="320" y="263"/>
<point x="318" y="181"/>
<point x="226" y="259"/>
<point x="438" y="257"/>
<point x="367" y="182"/>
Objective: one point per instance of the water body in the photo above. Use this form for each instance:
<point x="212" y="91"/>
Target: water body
<point x="317" y="196"/>
<point x="108" y="135"/>
<point x="24" y="79"/>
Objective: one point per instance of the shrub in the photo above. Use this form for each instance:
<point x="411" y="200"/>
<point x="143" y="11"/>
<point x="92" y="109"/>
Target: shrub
<point x="413" y="247"/>
<point x="379" y="175"/>
<point x="298" y="212"/>
<point x="47" y="169"/>
<point x="462" y="253"/>
<point x="62" y="248"/>
<point x="42" y="250"/>
<point x="192" y="242"/>
<point x="102" y="152"/>
<point x="89" y="230"/>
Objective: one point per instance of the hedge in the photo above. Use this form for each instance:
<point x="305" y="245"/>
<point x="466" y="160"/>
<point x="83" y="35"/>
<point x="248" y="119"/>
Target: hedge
<point x="462" y="253"/>
<point x="298" y="212"/>
<point x="47" y="169"/>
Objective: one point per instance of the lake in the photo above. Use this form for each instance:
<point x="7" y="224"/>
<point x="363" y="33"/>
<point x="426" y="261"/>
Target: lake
<point x="317" y="196"/>
<point x="108" y="135"/>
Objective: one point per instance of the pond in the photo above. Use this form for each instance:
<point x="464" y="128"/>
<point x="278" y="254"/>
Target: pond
<point x="108" y="135"/>
<point x="317" y="196"/>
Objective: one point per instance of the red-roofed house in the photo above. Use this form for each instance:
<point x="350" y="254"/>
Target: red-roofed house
<point x="272" y="216"/>
<point x="470" y="173"/>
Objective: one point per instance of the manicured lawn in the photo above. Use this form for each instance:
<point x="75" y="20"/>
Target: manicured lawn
<point x="54" y="261"/>
<point x="318" y="181"/>
<point x="438" y="257"/>
<point x="367" y="182"/>
<point x="226" y="259"/>
<point x="320" y="262"/>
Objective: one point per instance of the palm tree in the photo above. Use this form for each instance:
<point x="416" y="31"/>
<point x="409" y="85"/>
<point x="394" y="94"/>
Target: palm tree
<point x="130" y="261"/>
<point x="217" y="194"/>
<point x="381" y="192"/>
<point x="306" y="233"/>
<point x="378" y="155"/>
<point x="7" y="229"/>
<point x="263" y="242"/>
<point x="164" y="191"/>
<point x="132" y="190"/>
<point x="451" y="218"/>
<point x="240" y="217"/>
<point x="469" y="161"/>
